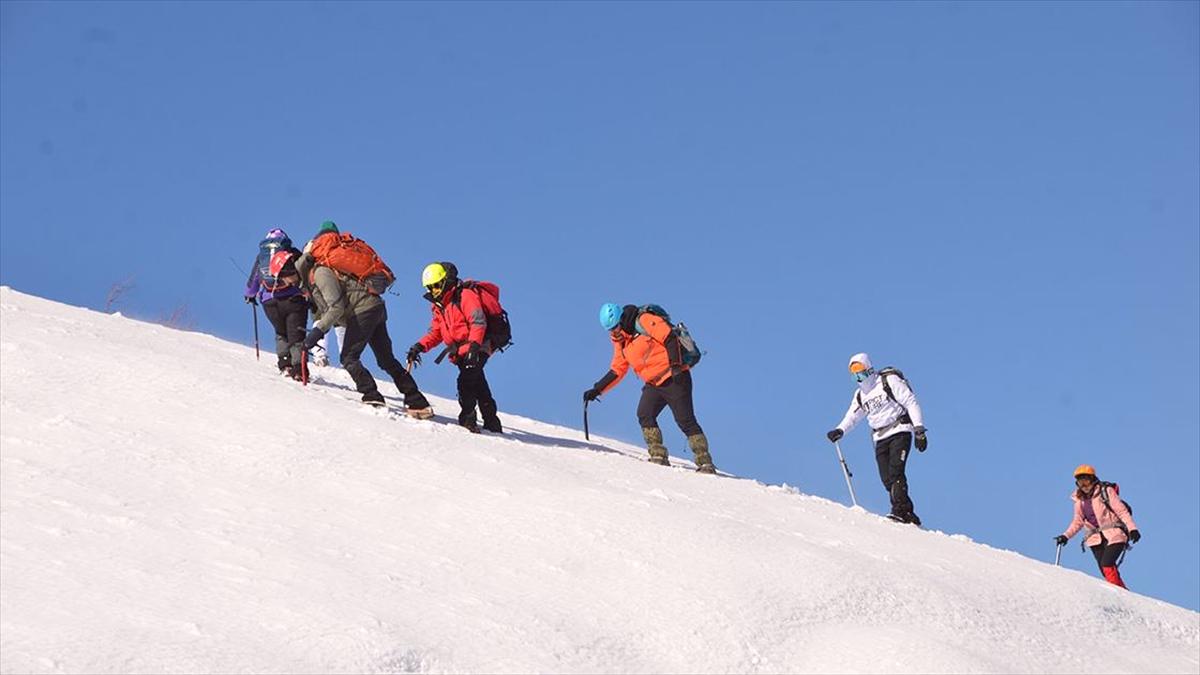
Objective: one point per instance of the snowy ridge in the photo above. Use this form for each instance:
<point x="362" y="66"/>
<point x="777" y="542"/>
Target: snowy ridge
<point x="167" y="504"/>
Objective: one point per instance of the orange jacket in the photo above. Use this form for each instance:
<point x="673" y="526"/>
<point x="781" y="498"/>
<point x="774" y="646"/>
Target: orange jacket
<point x="654" y="353"/>
<point x="457" y="323"/>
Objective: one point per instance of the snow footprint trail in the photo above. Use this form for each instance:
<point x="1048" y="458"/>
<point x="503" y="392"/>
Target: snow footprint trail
<point x="158" y="525"/>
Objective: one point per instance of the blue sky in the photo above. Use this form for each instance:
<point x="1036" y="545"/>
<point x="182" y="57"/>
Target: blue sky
<point x="1001" y="199"/>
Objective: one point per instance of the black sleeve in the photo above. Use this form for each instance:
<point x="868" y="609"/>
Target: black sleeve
<point x="608" y="379"/>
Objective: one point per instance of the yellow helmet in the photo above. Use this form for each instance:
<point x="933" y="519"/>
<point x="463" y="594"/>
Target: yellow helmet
<point x="434" y="274"/>
<point x="1084" y="470"/>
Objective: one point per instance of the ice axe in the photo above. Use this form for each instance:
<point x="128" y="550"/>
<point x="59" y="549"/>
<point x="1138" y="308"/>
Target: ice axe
<point x="586" y="437"/>
<point x="254" y="308"/>
<point x="846" y="472"/>
<point x="1057" y="553"/>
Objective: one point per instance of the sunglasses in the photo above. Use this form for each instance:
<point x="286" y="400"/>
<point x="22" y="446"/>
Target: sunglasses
<point x="1084" y="480"/>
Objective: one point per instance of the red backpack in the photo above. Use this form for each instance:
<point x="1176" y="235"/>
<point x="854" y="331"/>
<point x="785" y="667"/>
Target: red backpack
<point x="347" y="255"/>
<point x="499" y="331"/>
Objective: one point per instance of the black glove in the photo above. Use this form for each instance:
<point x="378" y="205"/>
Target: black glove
<point x="414" y="353"/>
<point x="1134" y="536"/>
<point x="474" y="355"/>
<point x="251" y="300"/>
<point x="314" y="336"/>
<point x="591" y="394"/>
<point x="921" y="439"/>
<point x="1061" y="540"/>
<point x="835" y="435"/>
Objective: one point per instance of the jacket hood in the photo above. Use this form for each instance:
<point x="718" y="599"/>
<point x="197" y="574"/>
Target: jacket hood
<point x="869" y="383"/>
<point x="862" y="358"/>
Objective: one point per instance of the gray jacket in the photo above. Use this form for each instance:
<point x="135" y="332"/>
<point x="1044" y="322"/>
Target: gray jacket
<point x="336" y="297"/>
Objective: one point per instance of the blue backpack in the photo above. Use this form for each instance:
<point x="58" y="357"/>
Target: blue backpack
<point x="267" y="248"/>
<point x="689" y="352"/>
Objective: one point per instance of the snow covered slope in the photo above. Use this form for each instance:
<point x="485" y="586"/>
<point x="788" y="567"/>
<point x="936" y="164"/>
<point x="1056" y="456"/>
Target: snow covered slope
<point x="167" y="504"/>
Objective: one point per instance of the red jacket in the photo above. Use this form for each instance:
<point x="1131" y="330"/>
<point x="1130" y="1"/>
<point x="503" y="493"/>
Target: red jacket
<point x="654" y="353"/>
<point x="457" y="322"/>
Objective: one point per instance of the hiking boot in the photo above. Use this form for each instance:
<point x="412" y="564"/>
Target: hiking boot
<point x="906" y="518"/>
<point x="699" y="445"/>
<point x="706" y="468"/>
<point x="654" y="442"/>
<point x="374" y="398"/>
<point x="470" y="426"/>
<point x="493" y="425"/>
<point x="420" y="413"/>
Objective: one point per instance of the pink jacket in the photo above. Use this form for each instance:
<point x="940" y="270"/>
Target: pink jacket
<point x="1110" y="520"/>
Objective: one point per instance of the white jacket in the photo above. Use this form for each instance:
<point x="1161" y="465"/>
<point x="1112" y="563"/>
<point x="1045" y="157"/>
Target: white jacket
<point x="882" y="413"/>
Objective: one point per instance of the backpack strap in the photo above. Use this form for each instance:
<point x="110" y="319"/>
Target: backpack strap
<point x="887" y="388"/>
<point x="1120" y="524"/>
<point x="1104" y="486"/>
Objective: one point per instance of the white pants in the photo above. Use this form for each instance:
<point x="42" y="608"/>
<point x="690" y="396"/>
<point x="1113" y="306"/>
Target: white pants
<point x="321" y="355"/>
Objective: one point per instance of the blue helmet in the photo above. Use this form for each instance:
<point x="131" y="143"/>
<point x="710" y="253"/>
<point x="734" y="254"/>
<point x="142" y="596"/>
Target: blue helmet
<point x="610" y="315"/>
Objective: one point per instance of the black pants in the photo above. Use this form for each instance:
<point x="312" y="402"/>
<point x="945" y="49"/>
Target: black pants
<point x="1107" y="554"/>
<point x="369" y="328"/>
<point x="289" y="316"/>
<point x="891" y="454"/>
<point x="675" y="392"/>
<point x="473" y="389"/>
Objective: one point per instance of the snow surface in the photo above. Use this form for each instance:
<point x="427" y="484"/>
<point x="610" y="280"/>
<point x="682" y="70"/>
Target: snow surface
<point x="168" y="504"/>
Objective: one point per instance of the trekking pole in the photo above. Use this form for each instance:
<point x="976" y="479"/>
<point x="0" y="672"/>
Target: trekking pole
<point x="1057" y="554"/>
<point x="304" y="367"/>
<point x="585" y="424"/>
<point x="846" y="473"/>
<point x="257" y="356"/>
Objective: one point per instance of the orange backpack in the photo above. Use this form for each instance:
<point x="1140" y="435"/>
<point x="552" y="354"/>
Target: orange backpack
<point x="353" y="257"/>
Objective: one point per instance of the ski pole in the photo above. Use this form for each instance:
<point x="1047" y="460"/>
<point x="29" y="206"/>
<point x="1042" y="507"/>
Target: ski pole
<point x="1057" y="554"/>
<point x="846" y="473"/>
<point x="254" y="308"/>
<point x="585" y="424"/>
<point x="304" y="367"/>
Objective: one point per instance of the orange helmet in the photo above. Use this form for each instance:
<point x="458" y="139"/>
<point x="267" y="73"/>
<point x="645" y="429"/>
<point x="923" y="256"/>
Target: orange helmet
<point x="1084" y="470"/>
